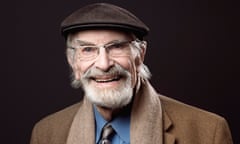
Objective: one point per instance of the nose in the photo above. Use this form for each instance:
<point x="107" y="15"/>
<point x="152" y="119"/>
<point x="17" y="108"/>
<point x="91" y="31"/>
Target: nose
<point x="103" y="62"/>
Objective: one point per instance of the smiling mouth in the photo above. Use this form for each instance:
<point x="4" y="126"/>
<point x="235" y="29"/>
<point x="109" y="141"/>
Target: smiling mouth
<point x="106" y="79"/>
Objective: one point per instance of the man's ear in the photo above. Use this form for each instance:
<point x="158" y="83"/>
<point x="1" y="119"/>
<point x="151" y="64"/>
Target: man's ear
<point x="70" y="59"/>
<point x="73" y="65"/>
<point x="143" y="52"/>
<point x="140" y="58"/>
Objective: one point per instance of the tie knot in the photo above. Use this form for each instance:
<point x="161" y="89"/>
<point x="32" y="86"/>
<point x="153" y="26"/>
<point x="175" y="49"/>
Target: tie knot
<point x="107" y="132"/>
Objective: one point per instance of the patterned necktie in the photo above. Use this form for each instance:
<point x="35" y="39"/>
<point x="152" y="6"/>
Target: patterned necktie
<point x="107" y="132"/>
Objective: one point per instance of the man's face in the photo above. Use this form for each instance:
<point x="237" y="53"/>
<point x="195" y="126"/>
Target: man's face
<point x="108" y="80"/>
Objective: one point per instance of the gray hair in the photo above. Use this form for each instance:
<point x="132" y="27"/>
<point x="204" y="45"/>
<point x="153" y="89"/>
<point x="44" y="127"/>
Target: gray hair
<point x="137" y="48"/>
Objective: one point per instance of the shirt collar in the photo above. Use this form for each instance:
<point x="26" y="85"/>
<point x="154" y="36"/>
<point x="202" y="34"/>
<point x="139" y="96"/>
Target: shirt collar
<point x="99" y="123"/>
<point x="121" y="125"/>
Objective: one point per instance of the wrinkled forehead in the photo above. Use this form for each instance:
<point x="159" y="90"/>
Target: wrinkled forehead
<point x="100" y="36"/>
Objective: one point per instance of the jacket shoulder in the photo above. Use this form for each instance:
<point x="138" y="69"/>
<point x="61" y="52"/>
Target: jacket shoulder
<point x="54" y="128"/>
<point x="61" y="116"/>
<point x="194" y="125"/>
<point x="177" y="108"/>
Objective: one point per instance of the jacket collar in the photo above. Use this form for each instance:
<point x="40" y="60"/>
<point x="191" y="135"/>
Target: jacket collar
<point x="148" y="117"/>
<point x="169" y="138"/>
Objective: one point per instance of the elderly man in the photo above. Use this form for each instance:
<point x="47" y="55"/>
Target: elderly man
<point x="105" y="48"/>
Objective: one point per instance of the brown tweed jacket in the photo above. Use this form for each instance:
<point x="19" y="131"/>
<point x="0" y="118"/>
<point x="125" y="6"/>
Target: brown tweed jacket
<point x="155" y="119"/>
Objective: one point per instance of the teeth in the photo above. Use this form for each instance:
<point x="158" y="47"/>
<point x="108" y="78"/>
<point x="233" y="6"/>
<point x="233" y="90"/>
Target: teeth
<point x="106" y="80"/>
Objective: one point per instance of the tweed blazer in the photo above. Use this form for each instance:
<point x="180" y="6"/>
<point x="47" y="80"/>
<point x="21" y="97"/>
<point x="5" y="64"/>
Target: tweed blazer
<point x="155" y="119"/>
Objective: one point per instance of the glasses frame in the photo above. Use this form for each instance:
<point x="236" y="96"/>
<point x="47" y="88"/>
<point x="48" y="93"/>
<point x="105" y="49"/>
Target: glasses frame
<point x="124" y="43"/>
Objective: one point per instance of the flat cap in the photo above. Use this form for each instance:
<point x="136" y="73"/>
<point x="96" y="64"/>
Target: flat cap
<point x="103" y="16"/>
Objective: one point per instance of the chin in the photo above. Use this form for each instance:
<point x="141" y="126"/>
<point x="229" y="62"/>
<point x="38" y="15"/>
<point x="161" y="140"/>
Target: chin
<point x="112" y="98"/>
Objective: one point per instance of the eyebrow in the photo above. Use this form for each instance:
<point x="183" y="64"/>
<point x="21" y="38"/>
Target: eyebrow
<point x="80" y="42"/>
<point x="83" y="43"/>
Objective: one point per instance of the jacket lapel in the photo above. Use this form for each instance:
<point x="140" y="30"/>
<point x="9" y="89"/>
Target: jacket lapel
<point x="149" y="117"/>
<point x="146" y="117"/>
<point x="167" y="124"/>
<point x="82" y="130"/>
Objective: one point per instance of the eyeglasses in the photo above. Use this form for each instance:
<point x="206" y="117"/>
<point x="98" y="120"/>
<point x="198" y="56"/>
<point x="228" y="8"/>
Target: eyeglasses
<point x="88" y="51"/>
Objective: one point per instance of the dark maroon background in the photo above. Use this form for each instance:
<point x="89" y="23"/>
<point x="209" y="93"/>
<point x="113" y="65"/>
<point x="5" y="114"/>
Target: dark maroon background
<point x="192" y="54"/>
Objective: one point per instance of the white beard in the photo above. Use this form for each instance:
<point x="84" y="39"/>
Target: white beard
<point x="108" y="97"/>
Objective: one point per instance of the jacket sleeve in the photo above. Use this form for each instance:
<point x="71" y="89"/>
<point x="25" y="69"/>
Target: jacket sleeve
<point x="222" y="133"/>
<point x="34" y="139"/>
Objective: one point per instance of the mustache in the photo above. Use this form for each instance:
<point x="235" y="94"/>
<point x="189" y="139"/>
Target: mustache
<point x="115" y="70"/>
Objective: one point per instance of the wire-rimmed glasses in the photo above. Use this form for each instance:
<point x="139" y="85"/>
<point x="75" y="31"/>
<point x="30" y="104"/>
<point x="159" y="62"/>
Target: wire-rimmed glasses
<point x="89" y="51"/>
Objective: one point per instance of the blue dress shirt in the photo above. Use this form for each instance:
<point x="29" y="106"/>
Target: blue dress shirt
<point x="121" y="125"/>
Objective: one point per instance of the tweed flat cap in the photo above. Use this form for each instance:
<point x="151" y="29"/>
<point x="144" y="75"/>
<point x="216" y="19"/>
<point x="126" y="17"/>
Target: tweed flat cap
<point x="103" y="16"/>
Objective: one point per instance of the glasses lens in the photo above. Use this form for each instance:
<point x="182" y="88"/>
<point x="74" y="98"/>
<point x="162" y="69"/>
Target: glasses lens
<point x="87" y="52"/>
<point x="119" y="48"/>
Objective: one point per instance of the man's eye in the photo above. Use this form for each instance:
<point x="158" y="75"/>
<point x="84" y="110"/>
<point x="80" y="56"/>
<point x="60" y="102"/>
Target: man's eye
<point x="88" y="49"/>
<point x="117" y="46"/>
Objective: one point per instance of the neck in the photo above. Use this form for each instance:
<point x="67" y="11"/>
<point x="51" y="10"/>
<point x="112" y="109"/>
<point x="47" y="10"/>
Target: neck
<point x="108" y="114"/>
